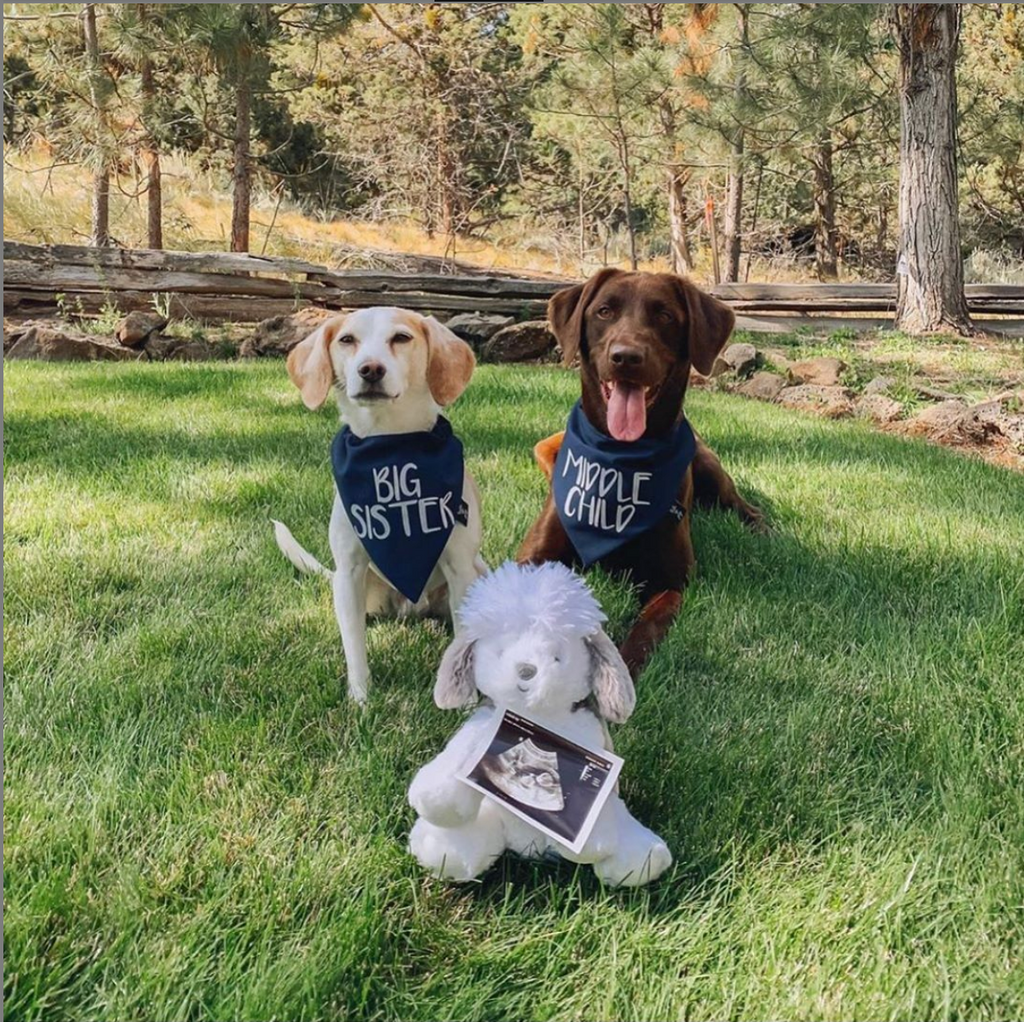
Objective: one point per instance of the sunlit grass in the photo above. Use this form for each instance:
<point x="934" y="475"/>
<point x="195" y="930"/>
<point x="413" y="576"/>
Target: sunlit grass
<point x="198" y="825"/>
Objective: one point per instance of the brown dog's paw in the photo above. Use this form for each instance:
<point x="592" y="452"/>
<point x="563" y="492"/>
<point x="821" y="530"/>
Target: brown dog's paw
<point x="755" y="519"/>
<point x="650" y="628"/>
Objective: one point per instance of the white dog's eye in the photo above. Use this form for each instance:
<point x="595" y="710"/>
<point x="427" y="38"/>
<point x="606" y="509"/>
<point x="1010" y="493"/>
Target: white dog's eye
<point x="346" y="339"/>
<point x="401" y="338"/>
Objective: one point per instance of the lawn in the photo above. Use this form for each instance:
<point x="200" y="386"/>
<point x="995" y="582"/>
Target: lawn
<point x="197" y="824"/>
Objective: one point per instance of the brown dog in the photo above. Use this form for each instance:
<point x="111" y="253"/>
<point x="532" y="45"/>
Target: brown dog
<point x="637" y="335"/>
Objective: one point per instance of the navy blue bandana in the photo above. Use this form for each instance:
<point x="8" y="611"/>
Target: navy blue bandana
<point x="403" y="495"/>
<point x="607" y="492"/>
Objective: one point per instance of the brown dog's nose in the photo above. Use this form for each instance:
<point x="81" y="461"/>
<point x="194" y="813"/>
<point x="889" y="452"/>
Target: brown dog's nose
<point x="626" y="356"/>
<point x="372" y="372"/>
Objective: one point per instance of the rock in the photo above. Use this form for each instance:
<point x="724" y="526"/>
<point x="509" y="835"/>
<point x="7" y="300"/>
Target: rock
<point x="879" y="385"/>
<point x="477" y="328"/>
<point x="995" y="416"/>
<point x="158" y="347"/>
<point x="741" y="359"/>
<point x="279" y="334"/>
<point x="878" y="408"/>
<point x="953" y="421"/>
<point x="520" y="342"/>
<point x="777" y="358"/>
<point x="136" y="328"/>
<point x="763" y="386"/>
<point x="192" y="351"/>
<point x="822" y="372"/>
<point x="832" y="402"/>
<point x="50" y="344"/>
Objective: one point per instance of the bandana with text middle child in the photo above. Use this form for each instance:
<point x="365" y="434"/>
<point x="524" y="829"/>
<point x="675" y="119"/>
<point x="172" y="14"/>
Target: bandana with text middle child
<point x="607" y="492"/>
<point x="403" y="495"/>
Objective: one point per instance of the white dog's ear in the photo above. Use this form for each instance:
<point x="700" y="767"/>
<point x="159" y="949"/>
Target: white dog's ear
<point x="450" y="362"/>
<point x="309" y="363"/>
<point x="455" y="685"/>
<point x="610" y="680"/>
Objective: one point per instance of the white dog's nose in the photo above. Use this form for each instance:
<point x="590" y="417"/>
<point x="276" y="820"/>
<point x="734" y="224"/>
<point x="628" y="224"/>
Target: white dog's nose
<point x="526" y="671"/>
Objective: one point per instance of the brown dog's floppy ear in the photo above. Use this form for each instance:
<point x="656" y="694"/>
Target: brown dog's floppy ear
<point x="709" y="322"/>
<point x="566" y="308"/>
<point x="456" y="684"/>
<point x="309" y="363"/>
<point x="610" y="681"/>
<point x="450" y="362"/>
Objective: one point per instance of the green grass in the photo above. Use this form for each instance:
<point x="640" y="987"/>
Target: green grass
<point x="197" y="825"/>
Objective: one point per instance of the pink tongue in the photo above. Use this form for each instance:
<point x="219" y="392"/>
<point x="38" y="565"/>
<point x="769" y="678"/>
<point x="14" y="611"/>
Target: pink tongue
<point x="627" y="412"/>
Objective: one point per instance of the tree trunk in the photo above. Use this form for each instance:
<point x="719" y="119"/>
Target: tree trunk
<point x="930" y="272"/>
<point x="242" y="171"/>
<point x="826" y="240"/>
<point x="150" y="152"/>
<point x="682" y="260"/>
<point x="100" y="226"/>
<point x="734" y="212"/>
<point x="734" y="190"/>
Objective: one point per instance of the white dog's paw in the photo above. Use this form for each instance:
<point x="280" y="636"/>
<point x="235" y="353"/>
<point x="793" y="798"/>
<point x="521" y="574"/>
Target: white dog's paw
<point x="455" y="854"/>
<point x="635" y="871"/>
<point x="447" y="803"/>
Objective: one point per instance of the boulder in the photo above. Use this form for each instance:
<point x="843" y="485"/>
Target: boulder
<point x="763" y="386"/>
<point x="50" y="344"/>
<point x="136" y="328"/>
<point x="192" y="351"/>
<point x="520" y="342"/>
<point x="832" y="402"/>
<point x="160" y="348"/>
<point x="952" y="421"/>
<point x="741" y="359"/>
<point x="878" y="408"/>
<point x="476" y="328"/>
<point x="279" y="334"/>
<point x="821" y="372"/>
<point x="879" y="385"/>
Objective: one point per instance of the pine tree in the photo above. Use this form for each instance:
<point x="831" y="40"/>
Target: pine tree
<point x="931" y="276"/>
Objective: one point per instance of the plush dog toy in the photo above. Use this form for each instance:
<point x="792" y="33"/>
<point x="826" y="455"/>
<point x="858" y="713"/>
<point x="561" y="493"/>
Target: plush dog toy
<point x="530" y="640"/>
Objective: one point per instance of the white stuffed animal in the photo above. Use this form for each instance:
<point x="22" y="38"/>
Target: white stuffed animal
<point x="530" y="640"/>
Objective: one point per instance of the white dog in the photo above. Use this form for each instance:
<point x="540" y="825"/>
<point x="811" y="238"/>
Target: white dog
<point x="393" y="371"/>
<point x="530" y="640"/>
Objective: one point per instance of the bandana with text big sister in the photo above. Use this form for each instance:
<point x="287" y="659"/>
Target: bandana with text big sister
<point x="607" y="491"/>
<point x="403" y="495"/>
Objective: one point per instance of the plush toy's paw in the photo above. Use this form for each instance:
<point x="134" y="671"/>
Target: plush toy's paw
<point x="446" y="803"/>
<point x="458" y="854"/>
<point x="635" y="871"/>
<point x="546" y="452"/>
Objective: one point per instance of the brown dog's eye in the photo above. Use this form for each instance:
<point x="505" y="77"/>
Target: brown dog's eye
<point x="346" y="339"/>
<point x="605" y="312"/>
<point x="401" y="339"/>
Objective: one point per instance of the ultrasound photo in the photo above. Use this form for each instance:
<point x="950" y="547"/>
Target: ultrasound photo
<point x="544" y="778"/>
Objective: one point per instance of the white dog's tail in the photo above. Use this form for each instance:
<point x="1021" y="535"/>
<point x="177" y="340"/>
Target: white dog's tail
<point x="297" y="554"/>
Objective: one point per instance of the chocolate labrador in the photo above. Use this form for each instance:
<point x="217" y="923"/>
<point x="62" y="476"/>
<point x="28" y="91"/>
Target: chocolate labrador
<point x="628" y="469"/>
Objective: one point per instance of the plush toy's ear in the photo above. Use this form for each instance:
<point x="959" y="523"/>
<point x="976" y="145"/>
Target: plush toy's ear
<point x="455" y="685"/>
<point x="612" y="686"/>
<point x="566" y="308"/>
<point x="450" y="362"/>
<point x="709" y="323"/>
<point x="309" y="363"/>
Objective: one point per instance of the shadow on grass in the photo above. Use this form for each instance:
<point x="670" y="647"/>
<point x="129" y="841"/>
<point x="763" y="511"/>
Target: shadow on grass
<point x="800" y="694"/>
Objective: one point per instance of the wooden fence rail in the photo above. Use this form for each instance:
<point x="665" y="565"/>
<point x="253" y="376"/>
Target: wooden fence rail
<point x="234" y="286"/>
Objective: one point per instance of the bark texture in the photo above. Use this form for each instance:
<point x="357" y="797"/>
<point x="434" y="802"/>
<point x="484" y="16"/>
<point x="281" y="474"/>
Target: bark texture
<point x="826" y="238"/>
<point x="150" y="150"/>
<point x="100" y="220"/>
<point x="241" y="177"/>
<point x="930" y="273"/>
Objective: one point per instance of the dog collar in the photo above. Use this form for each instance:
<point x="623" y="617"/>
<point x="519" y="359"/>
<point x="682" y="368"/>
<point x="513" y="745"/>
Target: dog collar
<point x="608" y="492"/>
<point x="402" y="493"/>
